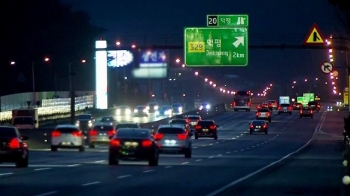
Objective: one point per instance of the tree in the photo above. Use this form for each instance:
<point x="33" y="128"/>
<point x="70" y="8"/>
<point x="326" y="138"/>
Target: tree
<point x="343" y="13"/>
<point x="34" y="29"/>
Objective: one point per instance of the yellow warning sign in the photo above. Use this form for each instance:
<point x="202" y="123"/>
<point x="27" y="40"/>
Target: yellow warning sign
<point x="314" y="37"/>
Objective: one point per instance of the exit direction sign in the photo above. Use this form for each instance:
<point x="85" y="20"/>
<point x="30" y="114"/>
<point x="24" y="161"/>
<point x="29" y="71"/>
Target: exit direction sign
<point x="227" y="20"/>
<point x="216" y="47"/>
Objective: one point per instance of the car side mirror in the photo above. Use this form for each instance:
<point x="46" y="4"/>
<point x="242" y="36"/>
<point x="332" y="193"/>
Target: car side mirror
<point x="24" y="137"/>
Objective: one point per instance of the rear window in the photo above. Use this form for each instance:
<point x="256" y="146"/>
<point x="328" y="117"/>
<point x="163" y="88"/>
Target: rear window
<point x="103" y="128"/>
<point x="67" y="130"/>
<point x="178" y="122"/>
<point x="8" y="132"/>
<point x="127" y="126"/>
<point x="23" y="121"/>
<point x="285" y="105"/>
<point x="206" y="123"/>
<point x="258" y="122"/>
<point x="178" y="116"/>
<point x="306" y="108"/>
<point x="170" y="130"/>
<point x="132" y="133"/>
<point x="84" y="117"/>
<point x="107" y="119"/>
<point x="313" y="103"/>
<point x="193" y="118"/>
<point x="263" y="110"/>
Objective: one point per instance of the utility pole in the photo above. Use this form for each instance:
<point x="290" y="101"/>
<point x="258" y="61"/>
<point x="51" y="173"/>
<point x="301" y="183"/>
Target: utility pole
<point x="72" y="94"/>
<point x="33" y="85"/>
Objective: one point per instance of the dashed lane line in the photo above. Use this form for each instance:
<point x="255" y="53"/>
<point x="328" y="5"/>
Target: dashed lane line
<point x="90" y="183"/>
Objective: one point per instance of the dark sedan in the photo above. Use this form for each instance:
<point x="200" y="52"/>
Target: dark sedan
<point x="133" y="144"/>
<point x="258" y="126"/>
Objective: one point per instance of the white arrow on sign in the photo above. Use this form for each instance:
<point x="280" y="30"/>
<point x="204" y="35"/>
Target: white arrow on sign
<point x="327" y="67"/>
<point x="239" y="41"/>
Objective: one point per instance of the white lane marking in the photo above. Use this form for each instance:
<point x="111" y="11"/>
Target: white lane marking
<point x="125" y="176"/>
<point x="6" y="174"/>
<point x="242" y="150"/>
<point x="48" y="193"/>
<point x="220" y="190"/>
<point x="41" y="169"/>
<point x="194" y="147"/>
<point x="199" y="160"/>
<point x="204" y="145"/>
<point x="228" y="152"/>
<point x="74" y="165"/>
<point x="235" y="151"/>
<point x="217" y="142"/>
<point x="253" y="146"/>
<point x="211" y="157"/>
<point x="247" y="148"/>
<point x="184" y="163"/>
<point x="211" y="144"/>
<point x="219" y="155"/>
<point x="233" y="138"/>
<point x="90" y="183"/>
<point x="101" y="161"/>
<point x="167" y="167"/>
<point x="148" y="171"/>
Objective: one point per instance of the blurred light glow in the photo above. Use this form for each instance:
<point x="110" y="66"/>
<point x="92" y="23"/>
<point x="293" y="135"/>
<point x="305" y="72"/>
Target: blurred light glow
<point x="101" y="44"/>
<point x="101" y="80"/>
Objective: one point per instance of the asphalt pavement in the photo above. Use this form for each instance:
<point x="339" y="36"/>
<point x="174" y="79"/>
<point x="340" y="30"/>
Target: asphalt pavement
<point x="216" y="166"/>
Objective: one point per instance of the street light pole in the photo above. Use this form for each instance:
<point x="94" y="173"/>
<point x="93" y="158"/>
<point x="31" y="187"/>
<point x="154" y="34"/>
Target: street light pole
<point x="72" y="94"/>
<point x="33" y="85"/>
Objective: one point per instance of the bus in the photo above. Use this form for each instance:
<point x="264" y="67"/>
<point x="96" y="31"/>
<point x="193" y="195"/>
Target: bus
<point x="242" y="100"/>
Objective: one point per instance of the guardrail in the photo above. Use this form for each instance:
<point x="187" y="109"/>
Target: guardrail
<point x="41" y="137"/>
<point x="53" y="108"/>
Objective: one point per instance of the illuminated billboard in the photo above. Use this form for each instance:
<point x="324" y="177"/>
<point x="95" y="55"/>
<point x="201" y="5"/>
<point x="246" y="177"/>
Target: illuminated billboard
<point x="101" y="80"/>
<point x="119" y="58"/>
<point x="153" y="64"/>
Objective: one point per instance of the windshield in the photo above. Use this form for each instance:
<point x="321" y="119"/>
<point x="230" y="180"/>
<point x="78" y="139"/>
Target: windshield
<point x="103" y="128"/>
<point x="132" y="133"/>
<point x="84" y="117"/>
<point x="107" y="119"/>
<point x="178" y="122"/>
<point x="170" y="130"/>
<point x="258" y="122"/>
<point x="23" y="121"/>
<point x="206" y="123"/>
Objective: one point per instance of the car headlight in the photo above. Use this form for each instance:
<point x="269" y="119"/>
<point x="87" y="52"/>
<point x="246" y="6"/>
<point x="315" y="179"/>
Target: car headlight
<point x="201" y="108"/>
<point x="135" y="110"/>
<point x="156" y="107"/>
<point x="157" y="113"/>
<point x="167" y="112"/>
<point x="145" y="110"/>
<point x="77" y="123"/>
<point x="118" y="111"/>
<point x="207" y="106"/>
<point x="128" y="111"/>
<point x="90" y="123"/>
<point x="180" y="109"/>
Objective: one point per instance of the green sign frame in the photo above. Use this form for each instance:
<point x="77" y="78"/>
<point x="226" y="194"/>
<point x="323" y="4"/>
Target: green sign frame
<point x="216" y="47"/>
<point x="221" y="20"/>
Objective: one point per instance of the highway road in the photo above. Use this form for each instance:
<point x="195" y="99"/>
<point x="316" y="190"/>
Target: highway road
<point x="235" y="156"/>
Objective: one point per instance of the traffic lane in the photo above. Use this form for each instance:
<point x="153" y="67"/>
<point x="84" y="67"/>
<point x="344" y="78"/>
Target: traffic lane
<point x="316" y="171"/>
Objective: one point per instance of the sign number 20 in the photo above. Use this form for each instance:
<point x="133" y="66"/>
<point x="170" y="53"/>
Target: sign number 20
<point x="212" y="21"/>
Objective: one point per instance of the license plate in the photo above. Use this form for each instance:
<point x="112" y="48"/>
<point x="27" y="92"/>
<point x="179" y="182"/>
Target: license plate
<point x="193" y="123"/>
<point x="65" y="143"/>
<point x="285" y="108"/>
<point x="312" y="105"/>
<point x="103" y="134"/>
<point x="128" y="153"/>
<point x="257" y="129"/>
<point x="170" y="141"/>
<point x="205" y="130"/>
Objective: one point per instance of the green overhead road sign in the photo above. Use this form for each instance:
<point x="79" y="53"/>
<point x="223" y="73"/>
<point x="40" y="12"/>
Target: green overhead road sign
<point x="227" y="20"/>
<point x="309" y="96"/>
<point x="214" y="47"/>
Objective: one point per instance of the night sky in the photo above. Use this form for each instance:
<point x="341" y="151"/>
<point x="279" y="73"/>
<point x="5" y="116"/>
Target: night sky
<point x="271" y="22"/>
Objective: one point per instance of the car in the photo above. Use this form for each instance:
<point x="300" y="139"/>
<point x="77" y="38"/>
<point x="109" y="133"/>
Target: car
<point x="13" y="147"/>
<point x="192" y="120"/>
<point x="123" y="110"/>
<point x="181" y="122"/>
<point x="263" y="114"/>
<point x="178" y="116"/>
<point x="165" y="110"/>
<point x="306" y="111"/>
<point x="285" y="108"/>
<point x="204" y="107"/>
<point x="67" y="136"/>
<point x="314" y="105"/>
<point x="177" y="108"/>
<point x="141" y="111"/>
<point x="266" y="105"/>
<point x="100" y="134"/>
<point x="174" y="138"/>
<point x="273" y="103"/>
<point x="133" y="144"/>
<point x="153" y="107"/>
<point x="108" y="119"/>
<point x="297" y="106"/>
<point x="85" y="121"/>
<point x="258" y="126"/>
<point x="206" y="128"/>
<point x="329" y="108"/>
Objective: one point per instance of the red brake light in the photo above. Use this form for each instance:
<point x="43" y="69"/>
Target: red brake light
<point x="290" y="108"/>
<point x="198" y="127"/>
<point x="248" y="103"/>
<point x="280" y="108"/>
<point x="111" y="132"/>
<point x="146" y="143"/>
<point x="258" y="113"/>
<point x="158" y="136"/>
<point x="311" y="111"/>
<point x="301" y="111"/>
<point x="77" y="133"/>
<point x="234" y="103"/>
<point x="264" y="126"/>
<point x="182" y="136"/>
<point x="14" y="143"/>
<point x="93" y="132"/>
<point x="188" y="120"/>
<point x="251" y="126"/>
<point x="114" y="143"/>
<point x="55" y="133"/>
<point x="212" y="127"/>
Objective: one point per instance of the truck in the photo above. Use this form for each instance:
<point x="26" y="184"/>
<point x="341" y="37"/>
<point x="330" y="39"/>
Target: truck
<point x="25" y="118"/>
<point x="284" y="100"/>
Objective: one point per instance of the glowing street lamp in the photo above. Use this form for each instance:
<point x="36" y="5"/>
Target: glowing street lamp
<point x="294" y="82"/>
<point x="133" y="46"/>
<point x="46" y="59"/>
<point x="206" y="79"/>
<point x="270" y="84"/>
<point x="177" y="60"/>
<point x="118" y="43"/>
<point x="196" y="73"/>
<point x="83" y="61"/>
<point x="305" y="80"/>
<point x="12" y="63"/>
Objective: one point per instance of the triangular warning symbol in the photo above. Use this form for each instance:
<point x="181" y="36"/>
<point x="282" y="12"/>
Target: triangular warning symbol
<point x="314" y="37"/>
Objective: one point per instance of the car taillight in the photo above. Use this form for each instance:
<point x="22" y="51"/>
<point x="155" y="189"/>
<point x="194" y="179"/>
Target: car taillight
<point x="158" y="136"/>
<point x="258" y="113"/>
<point x="146" y="143"/>
<point x="93" y="132"/>
<point x="251" y="126"/>
<point x="264" y="126"/>
<point x="268" y="113"/>
<point x="290" y="108"/>
<point x="311" y="111"/>
<point x="188" y="120"/>
<point x="234" y="103"/>
<point x="182" y="136"/>
<point x="77" y="133"/>
<point x="318" y="106"/>
<point x="280" y="108"/>
<point x="301" y="111"/>
<point x="198" y="127"/>
<point x="212" y="127"/>
<point x="55" y="133"/>
<point x="248" y="103"/>
<point x="114" y="143"/>
<point x="14" y="143"/>
<point x="111" y="132"/>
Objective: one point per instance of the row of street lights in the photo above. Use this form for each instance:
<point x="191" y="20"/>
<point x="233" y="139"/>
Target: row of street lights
<point x="265" y="91"/>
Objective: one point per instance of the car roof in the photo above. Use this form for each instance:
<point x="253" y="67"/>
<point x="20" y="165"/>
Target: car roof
<point x="206" y="121"/>
<point x="141" y="106"/>
<point x="7" y="126"/>
<point x="67" y="126"/>
<point x="194" y="116"/>
<point x="258" y="121"/>
<point x="103" y="124"/>
<point x="171" y="126"/>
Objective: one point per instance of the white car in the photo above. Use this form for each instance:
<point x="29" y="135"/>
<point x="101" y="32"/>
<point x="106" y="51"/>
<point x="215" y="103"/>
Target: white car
<point x="67" y="136"/>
